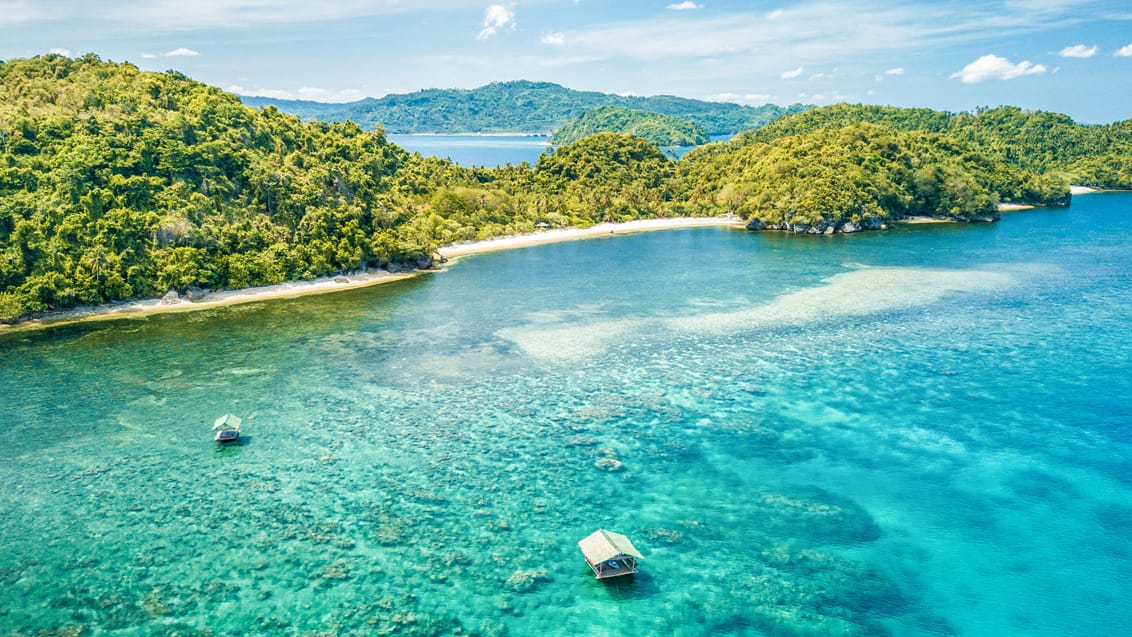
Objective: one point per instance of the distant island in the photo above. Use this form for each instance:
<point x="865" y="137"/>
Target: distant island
<point x="516" y="107"/>
<point x="119" y="184"/>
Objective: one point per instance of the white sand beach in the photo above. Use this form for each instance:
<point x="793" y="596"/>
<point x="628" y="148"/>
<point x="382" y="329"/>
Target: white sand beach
<point x="327" y="284"/>
<point x="569" y="234"/>
<point x="109" y="311"/>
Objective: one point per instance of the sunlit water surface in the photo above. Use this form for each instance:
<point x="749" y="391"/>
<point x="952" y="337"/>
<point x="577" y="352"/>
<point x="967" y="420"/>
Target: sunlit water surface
<point x="919" y="432"/>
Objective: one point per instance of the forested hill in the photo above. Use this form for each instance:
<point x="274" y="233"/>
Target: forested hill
<point x="117" y="183"/>
<point x="856" y="176"/>
<point x="519" y="107"/>
<point x="662" y="130"/>
<point x="1045" y="142"/>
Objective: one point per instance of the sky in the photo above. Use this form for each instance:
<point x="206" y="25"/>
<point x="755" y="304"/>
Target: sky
<point x="1066" y="56"/>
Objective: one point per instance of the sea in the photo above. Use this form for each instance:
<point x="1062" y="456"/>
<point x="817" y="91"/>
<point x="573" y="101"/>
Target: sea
<point x="492" y="151"/>
<point x="477" y="150"/>
<point x="921" y="431"/>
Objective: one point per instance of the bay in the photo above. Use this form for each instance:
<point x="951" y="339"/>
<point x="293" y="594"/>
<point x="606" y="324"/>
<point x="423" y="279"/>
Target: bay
<point x="476" y="150"/>
<point x="492" y="151"/>
<point x="918" y="432"/>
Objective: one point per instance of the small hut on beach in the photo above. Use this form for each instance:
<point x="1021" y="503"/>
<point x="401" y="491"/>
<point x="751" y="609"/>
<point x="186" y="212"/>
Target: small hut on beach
<point x="610" y="554"/>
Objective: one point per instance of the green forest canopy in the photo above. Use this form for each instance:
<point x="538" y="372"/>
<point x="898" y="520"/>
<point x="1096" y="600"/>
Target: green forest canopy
<point x="657" y="128"/>
<point x="117" y="183"/>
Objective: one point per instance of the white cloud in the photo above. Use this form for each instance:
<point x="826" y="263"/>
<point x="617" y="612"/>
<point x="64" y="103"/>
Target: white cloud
<point x="896" y="71"/>
<point x="19" y="11"/>
<point x="495" y="17"/>
<point x="330" y="95"/>
<point x="58" y="51"/>
<point x="789" y="75"/>
<point x="825" y="98"/>
<point x="260" y="92"/>
<point x="811" y="32"/>
<point x="553" y="39"/>
<point x="149" y="56"/>
<point x="181" y="53"/>
<point x="684" y="6"/>
<point x="180" y="15"/>
<point x="1078" y="51"/>
<point x="993" y="67"/>
<point x="1124" y="51"/>
<point x="752" y="99"/>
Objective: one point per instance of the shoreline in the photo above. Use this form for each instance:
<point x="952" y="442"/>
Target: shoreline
<point x="221" y="298"/>
<point x="335" y="283"/>
<point x="457" y="250"/>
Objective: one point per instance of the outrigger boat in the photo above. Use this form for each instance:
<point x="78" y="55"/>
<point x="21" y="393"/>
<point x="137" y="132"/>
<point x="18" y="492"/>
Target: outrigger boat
<point x="227" y="428"/>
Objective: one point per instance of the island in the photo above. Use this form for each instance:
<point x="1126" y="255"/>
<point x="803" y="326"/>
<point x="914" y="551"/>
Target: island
<point x="118" y="184"/>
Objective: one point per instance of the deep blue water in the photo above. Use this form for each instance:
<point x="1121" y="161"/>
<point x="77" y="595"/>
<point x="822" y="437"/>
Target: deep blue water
<point x="920" y="432"/>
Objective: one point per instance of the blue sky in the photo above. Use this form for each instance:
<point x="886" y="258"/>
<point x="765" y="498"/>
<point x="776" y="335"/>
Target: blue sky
<point x="1068" y="56"/>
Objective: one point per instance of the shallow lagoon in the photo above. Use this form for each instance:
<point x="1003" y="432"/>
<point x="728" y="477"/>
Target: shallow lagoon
<point x="920" y="432"/>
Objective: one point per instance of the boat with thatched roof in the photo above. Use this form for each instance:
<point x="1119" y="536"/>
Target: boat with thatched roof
<point x="610" y="554"/>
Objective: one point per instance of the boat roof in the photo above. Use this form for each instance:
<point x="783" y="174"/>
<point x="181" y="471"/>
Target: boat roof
<point x="604" y="545"/>
<point x="227" y="421"/>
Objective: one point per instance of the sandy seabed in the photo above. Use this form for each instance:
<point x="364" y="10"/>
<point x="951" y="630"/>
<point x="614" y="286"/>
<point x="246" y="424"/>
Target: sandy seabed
<point x="326" y="284"/>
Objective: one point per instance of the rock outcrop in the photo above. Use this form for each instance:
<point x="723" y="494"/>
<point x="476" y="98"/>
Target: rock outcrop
<point x="822" y="227"/>
<point x="195" y="294"/>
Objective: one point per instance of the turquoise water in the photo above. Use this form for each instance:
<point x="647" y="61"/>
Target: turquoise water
<point x="922" y="432"/>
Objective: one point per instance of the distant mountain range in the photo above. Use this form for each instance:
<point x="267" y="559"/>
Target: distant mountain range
<point x="517" y="107"/>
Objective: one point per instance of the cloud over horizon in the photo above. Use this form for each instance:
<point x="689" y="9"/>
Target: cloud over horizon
<point x="312" y="94"/>
<point x="495" y="17"/>
<point x="993" y="67"/>
<point x="687" y="5"/>
<point x="752" y="99"/>
<point x="182" y="53"/>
